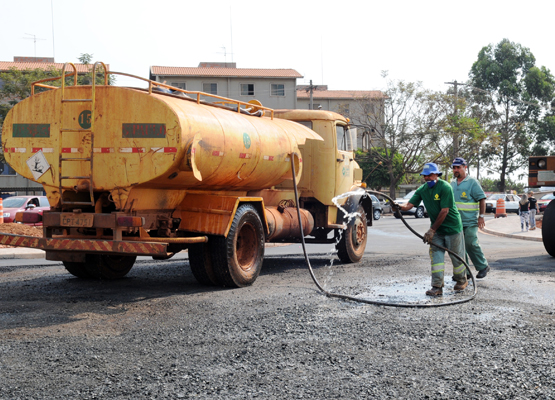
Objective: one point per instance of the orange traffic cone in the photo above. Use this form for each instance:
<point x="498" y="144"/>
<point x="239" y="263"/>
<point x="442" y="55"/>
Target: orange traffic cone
<point x="500" y="209"/>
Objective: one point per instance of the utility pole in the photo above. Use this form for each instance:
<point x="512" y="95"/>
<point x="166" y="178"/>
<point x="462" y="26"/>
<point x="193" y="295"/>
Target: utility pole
<point x="455" y="133"/>
<point x="311" y="88"/>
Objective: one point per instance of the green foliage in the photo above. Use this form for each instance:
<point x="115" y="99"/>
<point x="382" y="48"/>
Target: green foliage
<point x="375" y="173"/>
<point x="510" y="111"/>
<point x="493" y="185"/>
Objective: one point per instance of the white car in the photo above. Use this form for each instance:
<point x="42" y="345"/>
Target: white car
<point x="419" y="210"/>
<point x="511" y="202"/>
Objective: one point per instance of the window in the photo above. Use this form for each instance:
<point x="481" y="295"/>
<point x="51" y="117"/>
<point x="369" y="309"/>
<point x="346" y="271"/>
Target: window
<point x="308" y="124"/>
<point x="344" y="138"/>
<point x="316" y="106"/>
<point x="180" y="85"/>
<point x="247" y="89"/>
<point x="277" y="89"/>
<point x="211" y="88"/>
<point x="344" y="109"/>
<point x="5" y="169"/>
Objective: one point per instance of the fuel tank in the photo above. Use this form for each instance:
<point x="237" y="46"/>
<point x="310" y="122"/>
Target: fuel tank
<point x="127" y="137"/>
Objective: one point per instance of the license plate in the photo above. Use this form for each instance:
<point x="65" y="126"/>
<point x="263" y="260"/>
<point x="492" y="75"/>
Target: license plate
<point x="77" y="220"/>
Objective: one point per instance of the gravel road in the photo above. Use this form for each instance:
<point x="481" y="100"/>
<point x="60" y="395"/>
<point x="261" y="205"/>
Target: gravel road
<point x="157" y="334"/>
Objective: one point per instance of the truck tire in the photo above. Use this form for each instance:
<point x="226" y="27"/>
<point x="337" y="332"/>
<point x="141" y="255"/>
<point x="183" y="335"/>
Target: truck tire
<point x="548" y="229"/>
<point x="103" y="266"/>
<point x="200" y="260"/>
<point x="78" y="269"/>
<point x="237" y="258"/>
<point x="352" y="244"/>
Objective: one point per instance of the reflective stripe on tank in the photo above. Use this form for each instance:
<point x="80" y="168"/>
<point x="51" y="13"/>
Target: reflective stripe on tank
<point x="164" y="149"/>
<point x="103" y="150"/>
<point x="43" y="149"/>
<point x="132" y="149"/>
<point x="269" y="158"/>
<point x="15" y="150"/>
<point x="71" y="150"/>
<point x="468" y="206"/>
<point x="217" y="153"/>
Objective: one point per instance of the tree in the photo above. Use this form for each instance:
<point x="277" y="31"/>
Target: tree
<point x="374" y="173"/>
<point x="402" y="129"/>
<point x="509" y="89"/>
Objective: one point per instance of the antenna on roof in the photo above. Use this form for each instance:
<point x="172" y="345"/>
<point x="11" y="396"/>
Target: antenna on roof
<point x="231" y="31"/>
<point x="225" y="53"/>
<point x="34" y="38"/>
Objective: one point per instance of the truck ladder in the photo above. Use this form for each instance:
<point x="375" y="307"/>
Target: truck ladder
<point x="89" y="159"/>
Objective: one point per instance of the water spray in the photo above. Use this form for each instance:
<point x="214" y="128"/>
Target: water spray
<point x="350" y="216"/>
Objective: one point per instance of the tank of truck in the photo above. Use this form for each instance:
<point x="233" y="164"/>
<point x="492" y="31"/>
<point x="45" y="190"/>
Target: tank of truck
<point x="134" y="138"/>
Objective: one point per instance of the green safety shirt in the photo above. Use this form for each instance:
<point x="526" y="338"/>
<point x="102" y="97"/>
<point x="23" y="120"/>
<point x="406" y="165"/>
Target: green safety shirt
<point x="435" y="199"/>
<point x="468" y="194"/>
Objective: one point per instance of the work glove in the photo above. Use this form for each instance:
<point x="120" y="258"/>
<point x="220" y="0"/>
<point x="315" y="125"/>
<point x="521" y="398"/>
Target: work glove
<point x="428" y="236"/>
<point x="395" y="207"/>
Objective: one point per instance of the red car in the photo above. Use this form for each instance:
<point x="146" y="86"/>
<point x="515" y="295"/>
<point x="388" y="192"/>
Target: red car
<point x="543" y="201"/>
<point x="35" y="204"/>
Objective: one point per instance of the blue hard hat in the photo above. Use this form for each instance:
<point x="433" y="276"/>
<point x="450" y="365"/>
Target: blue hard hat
<point x="430" y="168"/>
<point x="458" y="161"/>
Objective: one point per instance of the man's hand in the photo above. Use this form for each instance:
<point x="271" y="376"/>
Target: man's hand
<point x="481" y="222"/>
<point x="395" y="207"/>
<point x="428" y="236"/>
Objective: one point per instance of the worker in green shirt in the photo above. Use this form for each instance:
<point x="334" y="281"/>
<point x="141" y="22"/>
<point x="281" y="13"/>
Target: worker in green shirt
<point x="446" y="227"/>
<point x="471" y="202"/>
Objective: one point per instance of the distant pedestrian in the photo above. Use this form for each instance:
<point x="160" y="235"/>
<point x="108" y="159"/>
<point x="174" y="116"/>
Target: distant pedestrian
<point x="524" y="205"/>
<point x="471" y="203"/>
<point x="533" y="209"/>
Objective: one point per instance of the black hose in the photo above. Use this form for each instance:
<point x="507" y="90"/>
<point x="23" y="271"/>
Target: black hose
<point x="380" y="303"/>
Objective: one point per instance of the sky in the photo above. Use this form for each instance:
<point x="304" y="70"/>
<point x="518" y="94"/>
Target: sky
<point x="345" y="45"/>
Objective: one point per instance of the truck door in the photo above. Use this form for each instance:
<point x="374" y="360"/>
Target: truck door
<point x="344" y="163"/>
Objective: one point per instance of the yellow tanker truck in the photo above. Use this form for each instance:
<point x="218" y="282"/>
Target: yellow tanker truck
<point x="154" y="171"/>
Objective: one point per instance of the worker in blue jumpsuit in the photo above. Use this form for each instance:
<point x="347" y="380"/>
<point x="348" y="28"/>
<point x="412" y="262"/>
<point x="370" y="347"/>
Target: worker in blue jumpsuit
<point x="471" y="203"/>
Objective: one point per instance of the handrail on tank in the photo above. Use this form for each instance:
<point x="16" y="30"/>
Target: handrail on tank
<point x="151" y="84"/>
<point x="64" y="76"/>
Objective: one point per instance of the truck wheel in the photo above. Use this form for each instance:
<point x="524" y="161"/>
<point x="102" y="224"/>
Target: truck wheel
<point x="200" y="261"/>
<point x="78" y="269"/>
<point x="237" y="258"/>
<point x="548" y="229"/>
<point x="108" y="266"/>
<point x="350" y="248"/>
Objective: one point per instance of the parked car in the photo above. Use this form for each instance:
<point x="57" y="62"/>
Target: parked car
<point x="419" y="210"/>
<point x="377" y="209"/>
<point x="543" y="201"/>
<point x="14" y="204"/>
<point x="511" y="202"/>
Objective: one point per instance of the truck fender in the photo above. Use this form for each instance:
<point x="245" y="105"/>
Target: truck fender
<point x="351" y="206"/>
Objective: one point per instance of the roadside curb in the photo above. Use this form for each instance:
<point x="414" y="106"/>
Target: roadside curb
<point x="511" y="235"/>
<point x="10" y="254"/>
